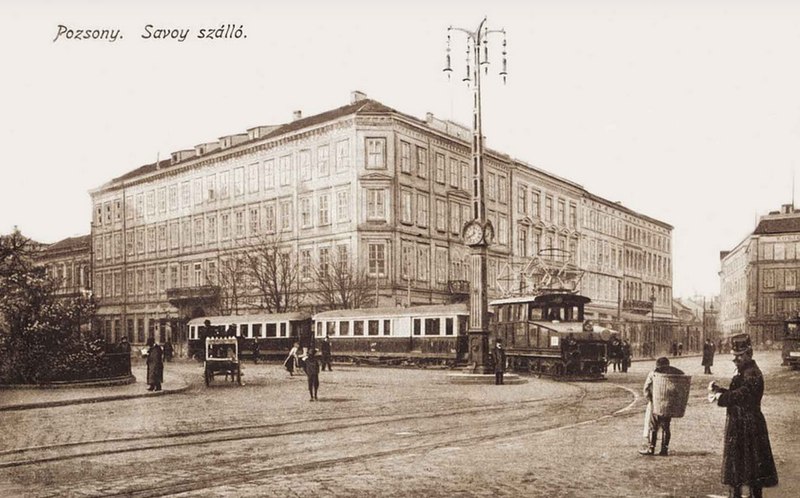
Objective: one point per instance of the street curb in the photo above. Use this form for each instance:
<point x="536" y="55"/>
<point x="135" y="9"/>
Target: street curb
<point x="108" y="382"/>
<point x="98" y="399"/>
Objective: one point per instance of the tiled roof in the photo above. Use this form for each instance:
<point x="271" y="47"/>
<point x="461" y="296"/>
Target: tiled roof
<point x="778" y="225"/>
<point x="365" y="106"/>
<point x="83" y="241"/>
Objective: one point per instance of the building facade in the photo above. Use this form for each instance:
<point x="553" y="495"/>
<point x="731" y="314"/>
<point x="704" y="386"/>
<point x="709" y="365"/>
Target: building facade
<point x="363" y="183"/>
<point x="69" y="262"/>
<point x="758" y="279"/>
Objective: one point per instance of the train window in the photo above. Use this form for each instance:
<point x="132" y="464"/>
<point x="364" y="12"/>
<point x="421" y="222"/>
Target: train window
<point x="417" y="326"/>
<point x="244" y="330"/>
<point x="283" y="329"/>
<point x="344" y="328"/>
<point x="448" y="326"/>
<point x="432" y="326"/>
<point x="272" y="330"/>
<point x="331" y="328"/>
<point x="387" y="327"/>
<point x="372" y="327"/>
<point x="319" y="329"/>
<point x="257" y="330"/>
<point x="358" y="327"/>
<point x="554" y="341"/>
<point x="192" y="331"/>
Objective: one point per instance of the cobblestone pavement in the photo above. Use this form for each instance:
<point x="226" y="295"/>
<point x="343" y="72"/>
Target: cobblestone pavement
<point x="385" y="432"/>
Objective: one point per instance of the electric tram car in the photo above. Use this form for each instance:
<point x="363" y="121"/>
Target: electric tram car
<point x="419" y="335"/>
<point x="274" y="333"/>
<point x="544" y="334"/>
<point x="790" y="353"/>
<point x="547" y="335"/>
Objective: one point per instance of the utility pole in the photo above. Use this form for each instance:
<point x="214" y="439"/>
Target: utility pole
<point x="477" y="233"/>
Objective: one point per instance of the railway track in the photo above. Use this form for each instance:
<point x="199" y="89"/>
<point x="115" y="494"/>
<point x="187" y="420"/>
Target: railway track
<point x="527" y="417"/>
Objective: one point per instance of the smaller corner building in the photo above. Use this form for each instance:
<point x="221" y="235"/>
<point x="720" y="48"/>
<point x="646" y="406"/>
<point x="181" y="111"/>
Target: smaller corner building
<point x="759" y="278"/>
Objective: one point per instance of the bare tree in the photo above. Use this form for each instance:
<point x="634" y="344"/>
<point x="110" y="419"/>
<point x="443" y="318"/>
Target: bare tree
<point x="273" y="272"/>
<point x="233" y="288"/>
<point x="341" y="283"/>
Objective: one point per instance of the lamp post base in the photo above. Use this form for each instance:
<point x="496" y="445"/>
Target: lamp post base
<point x="479" y="353"/>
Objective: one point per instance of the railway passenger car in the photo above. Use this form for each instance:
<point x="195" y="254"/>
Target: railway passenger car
<point x="275" y="333"/>
<point x="790" y="353"/>
<point x="547" y="335"/>
<point x="434" y="334"/>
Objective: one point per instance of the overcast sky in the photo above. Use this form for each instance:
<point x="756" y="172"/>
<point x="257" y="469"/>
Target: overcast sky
<point x="686" y="111"/>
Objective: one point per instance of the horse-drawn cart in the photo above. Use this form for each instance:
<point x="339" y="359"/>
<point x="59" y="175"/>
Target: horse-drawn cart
<point x="222" y="358"/>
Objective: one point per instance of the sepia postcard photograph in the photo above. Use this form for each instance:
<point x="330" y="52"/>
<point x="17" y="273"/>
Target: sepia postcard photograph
<point x="409" y="249"/>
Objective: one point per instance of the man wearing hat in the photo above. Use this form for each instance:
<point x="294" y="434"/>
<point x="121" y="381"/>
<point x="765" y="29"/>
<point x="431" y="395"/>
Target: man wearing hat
<point x="311" y="368"/>
<point x="653" y="422"/>
<point x="747" y="463"/>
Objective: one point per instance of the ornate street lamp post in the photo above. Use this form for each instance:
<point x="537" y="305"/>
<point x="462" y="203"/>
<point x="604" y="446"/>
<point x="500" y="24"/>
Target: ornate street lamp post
<point x="478" y="233"/>
<point x="653" y="318"/>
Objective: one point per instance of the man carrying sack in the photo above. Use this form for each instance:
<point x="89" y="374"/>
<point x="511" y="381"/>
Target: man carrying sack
<point x="653" y="419"/>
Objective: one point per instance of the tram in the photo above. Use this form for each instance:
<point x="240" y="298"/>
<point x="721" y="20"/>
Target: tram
<point x="419" y="335"/>
<point x="547" y="335"/>
<point x="790" y="353"/>
<point x="274" y="333"/>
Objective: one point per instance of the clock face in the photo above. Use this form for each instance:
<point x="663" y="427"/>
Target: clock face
<point x="473" y="234"/>
<point x="488" y="233"/>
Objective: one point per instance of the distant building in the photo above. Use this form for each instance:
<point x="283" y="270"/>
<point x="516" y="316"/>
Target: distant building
<point x="69" y="262"/>
<point x="759" y="278"/>
<point x="364" y="182"/>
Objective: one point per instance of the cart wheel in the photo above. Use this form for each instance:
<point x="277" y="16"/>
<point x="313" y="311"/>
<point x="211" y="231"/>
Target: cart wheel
<point x="239" y="374"/>
<point x="208" y="377"/>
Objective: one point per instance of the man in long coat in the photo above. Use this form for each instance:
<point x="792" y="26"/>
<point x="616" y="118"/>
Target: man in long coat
<point x="155" y="365"/>
<point x="708" y="356"/>
<point x="499" y="358"/>
<point x="747" y="463"/>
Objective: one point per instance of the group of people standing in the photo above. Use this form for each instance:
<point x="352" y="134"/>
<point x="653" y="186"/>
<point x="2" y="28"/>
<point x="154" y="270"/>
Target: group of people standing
<point x="747" y="462"/>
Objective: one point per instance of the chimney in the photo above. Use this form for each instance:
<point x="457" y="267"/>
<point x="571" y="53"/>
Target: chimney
<point x="297" y="115"/>
<point x="787" y="209"/>
<point x="357" y="96"/>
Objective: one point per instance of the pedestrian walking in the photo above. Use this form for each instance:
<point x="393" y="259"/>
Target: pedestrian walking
<point x="311" y="368"/>
<point x="653" y="422"/>
<point x="615" y="352"/>
<point x="708" y="356"/>
<point x="499" y="357"/>
<point x="256" y="352"/>
<point x="626" y="355"/>
<point x="155" y="365"/>
<point x="747" y="463"/>
<point x="290" y="363"/>
<point x="168" y="350"/>
<point x="326" y="353"/>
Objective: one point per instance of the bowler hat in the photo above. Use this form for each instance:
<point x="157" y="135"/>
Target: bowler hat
<point x="741" y="344"/>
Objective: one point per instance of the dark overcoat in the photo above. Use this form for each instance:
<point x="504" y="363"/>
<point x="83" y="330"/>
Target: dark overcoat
<point x="747" y="455"/>
<point x="499" y="358"/>
<point x="708" y="355"/>
<point x="155" y="365"/>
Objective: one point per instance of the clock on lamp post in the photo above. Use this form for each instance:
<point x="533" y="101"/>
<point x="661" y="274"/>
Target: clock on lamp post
<point x="478" y="233"/>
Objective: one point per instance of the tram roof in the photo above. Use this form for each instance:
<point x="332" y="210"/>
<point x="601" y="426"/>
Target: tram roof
<point x="554" y="298"/>
<point x="265" y="317"/>
<point x="393" y="312"/>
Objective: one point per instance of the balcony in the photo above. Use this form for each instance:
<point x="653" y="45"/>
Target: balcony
<point x="637" y="307"/>
<point x="203" y="294"/>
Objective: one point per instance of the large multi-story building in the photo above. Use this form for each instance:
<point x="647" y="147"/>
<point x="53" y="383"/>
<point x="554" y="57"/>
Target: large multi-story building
<point x="365" y="183"/>
<point x="759" y="278"/>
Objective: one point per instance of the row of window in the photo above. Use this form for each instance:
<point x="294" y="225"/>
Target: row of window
<point x="780" y="279"/>
<point x="779" y="250"/>
<point x="262" y="175"/>
<point x="648" y="263"/>
<point x="529" y="204"/>
<point x="155" y="280"/>
<point x="327" y="208"/>
<point x="531" y="241"/>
